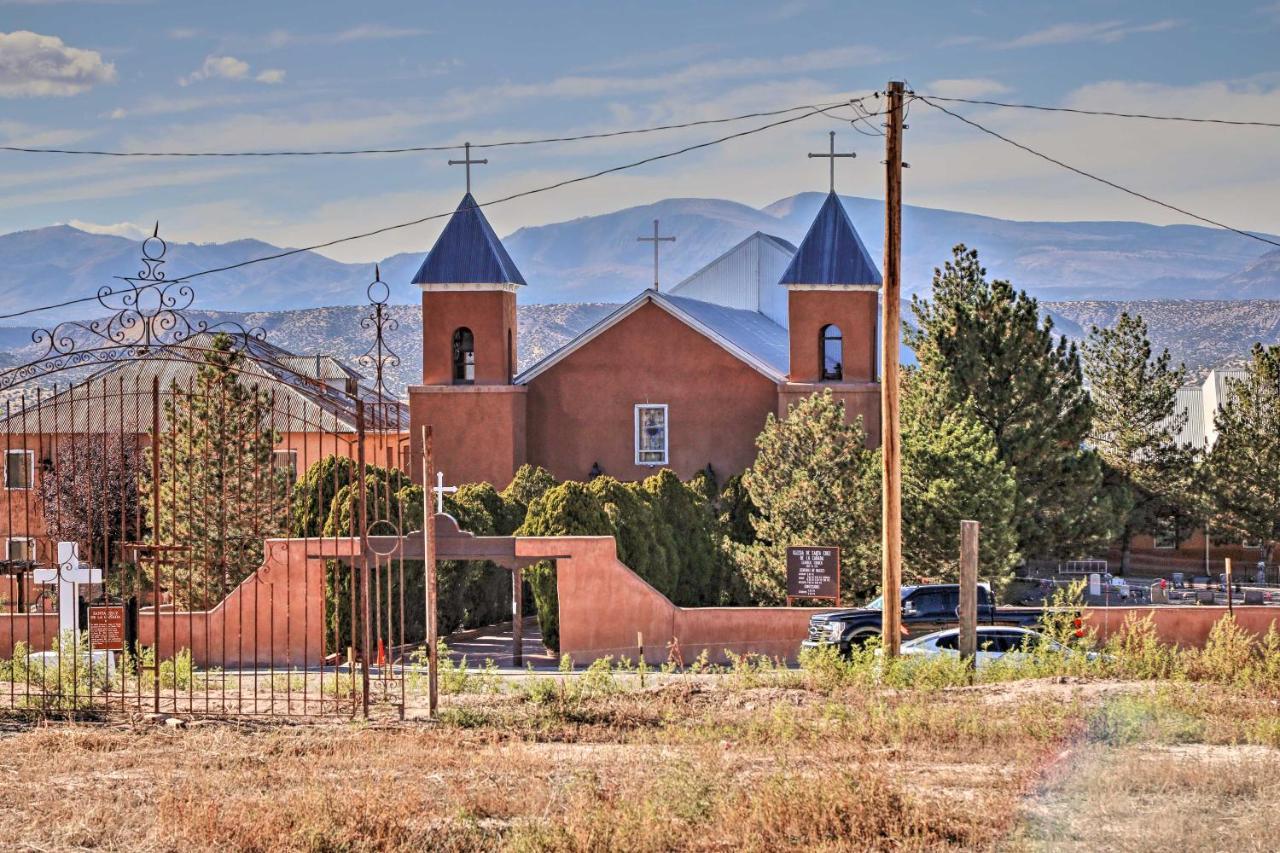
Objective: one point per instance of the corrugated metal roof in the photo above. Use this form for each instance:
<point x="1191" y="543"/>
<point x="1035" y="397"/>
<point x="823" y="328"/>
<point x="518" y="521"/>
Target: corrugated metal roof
<point x="744" y="277"/>
<point x="750" y="331"/>
<point x="1191" y="400"/>
<point x="322" y="367"/>
<point x="468" y="252"/>
<point x="832" y="253"/>
<point x="117" y="398"/>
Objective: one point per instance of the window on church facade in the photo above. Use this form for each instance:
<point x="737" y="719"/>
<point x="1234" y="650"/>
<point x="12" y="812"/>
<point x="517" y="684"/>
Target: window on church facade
<point x="19" y="469"/>
<point x="464" y="357"/>
<point x="651" y="434"/>
<point x="831" y="353"/>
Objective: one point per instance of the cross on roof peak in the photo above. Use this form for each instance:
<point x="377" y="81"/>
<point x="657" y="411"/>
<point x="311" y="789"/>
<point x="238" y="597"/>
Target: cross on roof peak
<point x="832" y="155"/>
<point x="655" y="240"/>
<point x="468" y="162"/>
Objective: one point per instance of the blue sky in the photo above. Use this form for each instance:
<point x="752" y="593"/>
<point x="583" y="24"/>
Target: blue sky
<point x="268" y="75"/>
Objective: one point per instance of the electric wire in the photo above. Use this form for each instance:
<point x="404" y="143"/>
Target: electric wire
<point x="387" y="228"/>
<point x="424" y="148"/>
<point x="1108" y="113"/>
<point x="1091" y="176"/>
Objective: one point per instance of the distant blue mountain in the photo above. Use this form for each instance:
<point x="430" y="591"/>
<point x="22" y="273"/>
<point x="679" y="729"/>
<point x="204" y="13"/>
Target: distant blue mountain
<point x="597" y="258"/>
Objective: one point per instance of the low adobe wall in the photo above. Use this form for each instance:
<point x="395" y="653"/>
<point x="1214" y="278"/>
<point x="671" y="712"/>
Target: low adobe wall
<point x="1182" y="625"/>
<point x="274" y="617"/>
<point x="607" y="609"/>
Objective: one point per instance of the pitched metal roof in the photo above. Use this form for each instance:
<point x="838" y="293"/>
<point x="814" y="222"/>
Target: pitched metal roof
<point x="468" y="252"/>
<point x="745" y="276"/>
<point x="747" y="335"/>
<point x="832" y="253"/>
<point x="117" y="398"/>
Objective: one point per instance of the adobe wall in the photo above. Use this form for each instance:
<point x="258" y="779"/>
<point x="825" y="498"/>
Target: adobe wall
<point x="604" y="606"/>
<point x="1182" y="624"/>
<point x="478" y="431"/>
<point x="582" y="410"/>
<point x="861" y="399"/>
<point x="854" y="311"/>
<point x="491" y="317"/>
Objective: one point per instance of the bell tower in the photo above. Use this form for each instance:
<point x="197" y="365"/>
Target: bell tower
<point x="468" y="396"/>
<point x="833" y="291"/>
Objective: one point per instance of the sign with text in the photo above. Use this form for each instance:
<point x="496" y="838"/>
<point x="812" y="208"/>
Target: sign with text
<point x="106" y="627"/>
<point x="813" y="571"/>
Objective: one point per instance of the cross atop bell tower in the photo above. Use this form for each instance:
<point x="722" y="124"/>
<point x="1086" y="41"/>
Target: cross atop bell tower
<point x="468" y="162"/>
<point x="832" y="156"/>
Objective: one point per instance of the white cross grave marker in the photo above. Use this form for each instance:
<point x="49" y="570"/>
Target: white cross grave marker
<point x="440" y="488"/>
<point x="68" y="576"/>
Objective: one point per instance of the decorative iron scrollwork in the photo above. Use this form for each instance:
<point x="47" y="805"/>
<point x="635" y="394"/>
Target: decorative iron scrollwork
<point x="380" y="356"/>
<point x="147" y="314"/>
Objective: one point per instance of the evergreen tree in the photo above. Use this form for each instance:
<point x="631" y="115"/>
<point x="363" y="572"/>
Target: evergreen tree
<point x="809" y="486"/>
<point x="1135" y="428"/>
<point x="983" y="341"/>
<point x="569" y="509"/>
<point x="951" y="471"/>
<point x="1244" y="463"/>
<point x="679" y="508"/>
<point x="219" y="495"/>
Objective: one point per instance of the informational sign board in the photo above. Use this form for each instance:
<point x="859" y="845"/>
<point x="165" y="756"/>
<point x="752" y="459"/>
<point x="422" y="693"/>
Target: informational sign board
<point x="106" y="627"/>
<point x="813" y="571"/>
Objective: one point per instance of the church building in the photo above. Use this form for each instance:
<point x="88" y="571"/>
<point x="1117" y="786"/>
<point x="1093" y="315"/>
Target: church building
<point x="681" y="379"/>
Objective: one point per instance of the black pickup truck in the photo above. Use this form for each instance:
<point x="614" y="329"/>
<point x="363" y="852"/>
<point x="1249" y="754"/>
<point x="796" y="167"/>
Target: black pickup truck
<point x="925" y="609"/>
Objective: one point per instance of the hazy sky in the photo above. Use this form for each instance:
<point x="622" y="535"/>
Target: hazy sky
<point x="271" y="75"/>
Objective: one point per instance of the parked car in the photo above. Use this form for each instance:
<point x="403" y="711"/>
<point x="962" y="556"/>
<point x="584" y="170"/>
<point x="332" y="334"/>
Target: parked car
<point x="925" y="610"/>
<point x="994" y="642"/>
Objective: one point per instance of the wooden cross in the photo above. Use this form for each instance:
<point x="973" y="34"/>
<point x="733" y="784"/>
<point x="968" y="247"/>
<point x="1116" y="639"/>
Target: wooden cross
<point x="440" y="488"/>
<point x="832" y="155"/>
<point x="468" y="162"/>
<point x="655" y="240"/>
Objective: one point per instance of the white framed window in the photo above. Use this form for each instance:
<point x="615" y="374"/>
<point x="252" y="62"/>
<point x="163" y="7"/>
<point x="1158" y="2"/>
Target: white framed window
<point x="651" y="434"/>
<point x="285" y="460"/>
<point x="20" y="550"/>
<point x="19" y="469"/>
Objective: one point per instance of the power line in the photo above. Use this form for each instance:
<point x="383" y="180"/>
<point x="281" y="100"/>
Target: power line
<point x="422" y="148"/>
<point x="1098" y="178"/>
<point x="1109" y="113"/>
<point x="525" y="193"/>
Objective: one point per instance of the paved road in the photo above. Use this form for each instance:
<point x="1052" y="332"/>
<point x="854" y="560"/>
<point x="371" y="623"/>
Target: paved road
<point x="494" y="642"/>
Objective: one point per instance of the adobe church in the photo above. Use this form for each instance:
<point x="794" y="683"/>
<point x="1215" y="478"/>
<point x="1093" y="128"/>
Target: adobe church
<point x="680" y="379"/>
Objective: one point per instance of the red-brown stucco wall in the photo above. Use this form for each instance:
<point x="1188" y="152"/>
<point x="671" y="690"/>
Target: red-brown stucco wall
<point x="491" y="317"/>
<point x="854" y="311"/>
<point x="582" y="410"/>
<point x="478" y="431"/>
<point x="861" y="400"/>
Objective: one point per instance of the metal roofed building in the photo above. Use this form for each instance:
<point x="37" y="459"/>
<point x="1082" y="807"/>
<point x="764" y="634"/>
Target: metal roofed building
<point x="683" y="379"/>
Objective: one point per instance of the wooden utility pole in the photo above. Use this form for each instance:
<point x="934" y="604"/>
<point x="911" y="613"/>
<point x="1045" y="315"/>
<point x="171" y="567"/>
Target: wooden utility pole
<point x="429" y="587"/>
<point x="968" y="590"/>
<point x="891" y="323"/>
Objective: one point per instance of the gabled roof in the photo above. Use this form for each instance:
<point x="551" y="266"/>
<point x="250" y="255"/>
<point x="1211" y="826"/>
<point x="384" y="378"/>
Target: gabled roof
<point x="745" y="276"/>
<point x="832" y="253"/>
<point x="468" y="252"/>
<point x="109" y="400"/>
<point x="747" y="335"/>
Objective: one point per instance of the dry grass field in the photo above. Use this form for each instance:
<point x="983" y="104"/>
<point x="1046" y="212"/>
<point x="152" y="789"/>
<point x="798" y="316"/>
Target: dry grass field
<point x="701" y="764"/>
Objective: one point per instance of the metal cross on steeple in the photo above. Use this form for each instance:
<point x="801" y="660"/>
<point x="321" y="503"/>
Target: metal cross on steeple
<point x="833" y="155"/>
<point x="468" y="162"/>
<point x="655" y="240"/>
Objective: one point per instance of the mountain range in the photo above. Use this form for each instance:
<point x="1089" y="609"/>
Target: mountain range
<point x="597" y="259"/>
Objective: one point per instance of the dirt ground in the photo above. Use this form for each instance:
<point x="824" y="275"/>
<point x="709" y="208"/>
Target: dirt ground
<point x="691" y="764"/>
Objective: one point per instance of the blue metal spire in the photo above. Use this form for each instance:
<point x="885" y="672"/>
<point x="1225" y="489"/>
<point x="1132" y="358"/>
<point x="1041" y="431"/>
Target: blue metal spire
<point x="468" y="252"/>
<point x="832" y="253"/>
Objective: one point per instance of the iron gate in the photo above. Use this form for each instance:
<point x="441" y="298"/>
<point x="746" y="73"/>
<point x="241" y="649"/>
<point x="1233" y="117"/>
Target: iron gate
<point x="162" y="518"/>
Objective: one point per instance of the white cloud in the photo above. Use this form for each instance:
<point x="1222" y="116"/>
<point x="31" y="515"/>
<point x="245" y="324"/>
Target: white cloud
<point x="1104" y="32"/>
<point x="230" y="68"/>
<point x="224" y="67"/>
<point x="32" y="65"/>
<point x="182" y="33"/>
<point x="363" y="32"/>
<point x="120" y="229"/>
<point x="965" y="87"/>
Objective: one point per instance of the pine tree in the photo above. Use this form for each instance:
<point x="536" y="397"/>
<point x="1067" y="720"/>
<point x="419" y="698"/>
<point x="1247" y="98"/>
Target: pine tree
<point x="809" y="486"/>
<point x="982" y="341"/>
<point x="1244" y="463"/>
<point x="219" y="495"/>
<point x="1135" y="428"/>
